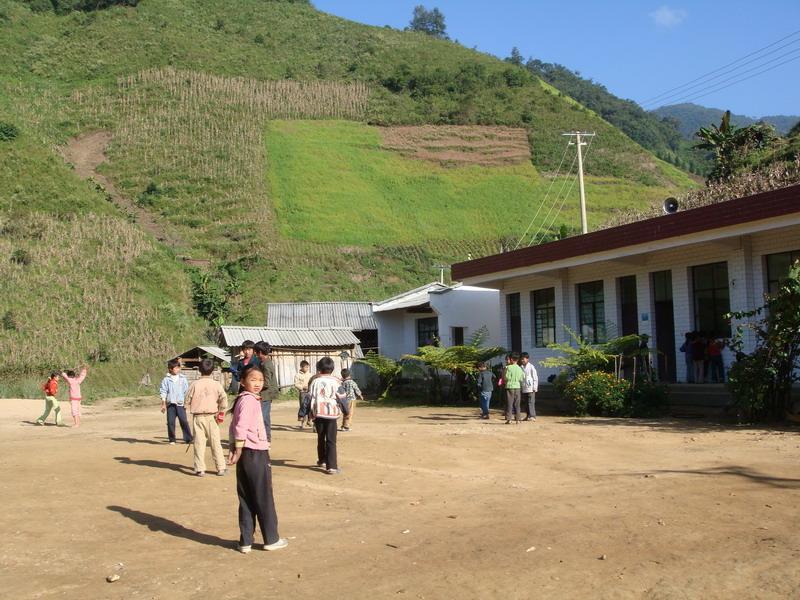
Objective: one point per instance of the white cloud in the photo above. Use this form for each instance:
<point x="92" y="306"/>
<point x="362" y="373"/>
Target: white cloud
<point x="666" y="16"/>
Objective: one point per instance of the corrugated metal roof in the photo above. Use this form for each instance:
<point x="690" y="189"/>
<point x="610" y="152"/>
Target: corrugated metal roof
<point x="416" y="297"/>
<point x="296" y="337"/>
<point x="356" y="316"/>
<point x="212" y="350"/>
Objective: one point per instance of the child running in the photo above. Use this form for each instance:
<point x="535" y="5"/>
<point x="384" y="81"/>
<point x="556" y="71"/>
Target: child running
<point x="250" y="454"/>
<point x="351" y="392"/>
<point x="207" y="401"/>
<point x="74" y="383"/>
<point x="326" y="395"/>
<point x="50" y="401"/>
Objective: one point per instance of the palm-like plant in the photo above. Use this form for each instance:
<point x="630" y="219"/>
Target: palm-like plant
<point x="732" y="146"/>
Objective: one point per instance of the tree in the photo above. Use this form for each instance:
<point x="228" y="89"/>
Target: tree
<point x="733" y="146"/>
<point x="460" y="361"/>
<point x="516" y="57"/>
<point x="430" y="22"/>
<point x="761" y="382"/>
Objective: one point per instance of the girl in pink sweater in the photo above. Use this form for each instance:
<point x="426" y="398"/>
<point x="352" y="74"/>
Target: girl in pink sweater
<point x="74" y="383"/>
<point x="250" y="454"/>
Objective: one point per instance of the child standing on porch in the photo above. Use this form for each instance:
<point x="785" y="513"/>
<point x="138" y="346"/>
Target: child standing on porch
<point x="74" y="382"/>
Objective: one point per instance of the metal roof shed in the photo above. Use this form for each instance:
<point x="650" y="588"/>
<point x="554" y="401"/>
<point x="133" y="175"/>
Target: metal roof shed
<point x="290" y="346"/>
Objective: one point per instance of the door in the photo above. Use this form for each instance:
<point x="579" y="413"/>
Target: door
<point x="664" y="325"/>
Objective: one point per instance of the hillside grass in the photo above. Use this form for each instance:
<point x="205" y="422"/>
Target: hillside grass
<point x="383" y="198"/>
<point x="180" y="85"/>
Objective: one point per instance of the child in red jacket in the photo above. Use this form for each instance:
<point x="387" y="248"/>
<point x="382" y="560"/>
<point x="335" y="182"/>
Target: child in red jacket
<point x="50" y="401"/>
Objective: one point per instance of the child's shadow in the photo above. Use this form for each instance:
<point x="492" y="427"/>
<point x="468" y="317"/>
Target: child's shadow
<point x="156" y="523"/>
<point x="155" y="464"/>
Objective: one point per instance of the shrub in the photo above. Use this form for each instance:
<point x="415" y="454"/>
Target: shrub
<point x="21" y="257"/>
<point x="259" y="39"/>
<point x="597" y="393"/>
<point x="648" y="399"/>
<point x="8" y="321"/>
<point x="219" y="24"/>
<point x="8" y="131"/>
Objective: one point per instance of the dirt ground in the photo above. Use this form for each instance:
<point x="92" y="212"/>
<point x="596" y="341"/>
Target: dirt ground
<point x="431" y="503"/>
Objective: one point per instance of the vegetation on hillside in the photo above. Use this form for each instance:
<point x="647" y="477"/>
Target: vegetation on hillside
<point x="186" y="90"/>
<point x="658" y="134"/>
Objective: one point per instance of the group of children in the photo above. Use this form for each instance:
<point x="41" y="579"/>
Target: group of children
<point x="520" y="382"/>
<point x="703" y="356"/>
<point x="323" y="399"/>
<point x="50" y="389"/>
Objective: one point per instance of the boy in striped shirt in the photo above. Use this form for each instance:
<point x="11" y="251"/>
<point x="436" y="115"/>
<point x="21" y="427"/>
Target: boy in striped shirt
<point x="326" y="395"/>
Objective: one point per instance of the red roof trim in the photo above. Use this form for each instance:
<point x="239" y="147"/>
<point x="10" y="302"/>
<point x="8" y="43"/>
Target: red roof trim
<point x="714" y="216"/>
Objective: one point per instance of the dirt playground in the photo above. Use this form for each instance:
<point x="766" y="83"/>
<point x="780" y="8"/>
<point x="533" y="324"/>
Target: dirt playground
<point x="431" y="503"/>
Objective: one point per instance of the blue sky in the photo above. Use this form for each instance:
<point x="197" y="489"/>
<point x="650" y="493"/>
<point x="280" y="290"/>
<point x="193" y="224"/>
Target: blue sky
<point x="638" y="49"/>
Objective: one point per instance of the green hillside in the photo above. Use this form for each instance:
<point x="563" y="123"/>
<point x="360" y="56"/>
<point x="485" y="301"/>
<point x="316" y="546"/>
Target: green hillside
<point x="240" y="163"/>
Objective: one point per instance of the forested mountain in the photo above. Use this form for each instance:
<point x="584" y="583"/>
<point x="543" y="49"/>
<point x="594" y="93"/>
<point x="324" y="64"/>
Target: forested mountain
<point x="658" y="134"/>
<point x="691" y="117"/>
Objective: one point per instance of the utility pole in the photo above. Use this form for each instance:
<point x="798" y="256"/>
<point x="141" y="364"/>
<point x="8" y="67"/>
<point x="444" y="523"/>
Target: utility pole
<point x="441" y="272"/>
<point x="578" y="143"/>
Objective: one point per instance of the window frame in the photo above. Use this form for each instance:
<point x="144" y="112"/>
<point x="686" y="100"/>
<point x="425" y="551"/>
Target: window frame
<point x="545" y="316"/>
<point x="720" y="327"/>
<point x="598" y="324"/>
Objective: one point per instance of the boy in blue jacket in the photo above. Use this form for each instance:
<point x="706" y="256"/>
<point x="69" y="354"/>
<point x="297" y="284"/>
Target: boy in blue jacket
<point x="173" y="391"/>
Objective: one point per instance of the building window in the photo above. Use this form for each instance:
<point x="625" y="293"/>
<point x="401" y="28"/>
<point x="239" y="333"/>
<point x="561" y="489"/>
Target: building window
<point x="778" y="266"/>
<point x="428" y="331"/>
<point x="591" y="311"/>
<point x="711" y="299"/>
<point x="458" y="336"/>
<point x="628" y="306"/>
<point x="514" y="322"/>
<point x="544" y="317"/>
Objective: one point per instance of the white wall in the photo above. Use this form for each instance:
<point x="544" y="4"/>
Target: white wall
<point x="467" y="308"/>
<point x="746" y="276"/>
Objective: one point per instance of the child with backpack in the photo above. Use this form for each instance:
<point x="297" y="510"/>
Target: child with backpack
<point x="326" y="395"/>
<point x="351" y="393"/>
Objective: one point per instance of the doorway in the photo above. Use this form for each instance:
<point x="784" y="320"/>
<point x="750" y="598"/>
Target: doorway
<point x="664" y="325"/>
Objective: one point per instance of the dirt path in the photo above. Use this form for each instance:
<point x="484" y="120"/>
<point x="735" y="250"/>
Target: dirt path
<point x="87" y="152"/>
<point x="432" y="503"/>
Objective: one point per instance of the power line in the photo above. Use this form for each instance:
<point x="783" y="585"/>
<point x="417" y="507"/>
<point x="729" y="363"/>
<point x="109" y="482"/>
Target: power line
<point x="550" y="187"/>
<point x="708" y="85"/>
<point x="703" y="93"/>
<point x="560" y="208"/>
<point x="649" y="100"/>
<point x="555" y="200"/>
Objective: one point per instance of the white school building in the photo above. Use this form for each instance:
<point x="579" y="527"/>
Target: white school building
<point x="662" y="277"/>
<point x="449" y="314"/>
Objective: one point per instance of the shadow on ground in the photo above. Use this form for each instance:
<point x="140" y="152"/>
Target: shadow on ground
<point x="130" y="440"/>
<point x="156" y="464"/>
<point x="156" y="523"/>
<point x="733" y="471"/>
<point x="683" y="425"/>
